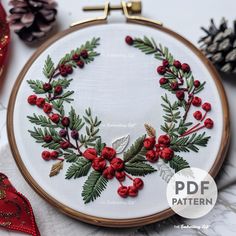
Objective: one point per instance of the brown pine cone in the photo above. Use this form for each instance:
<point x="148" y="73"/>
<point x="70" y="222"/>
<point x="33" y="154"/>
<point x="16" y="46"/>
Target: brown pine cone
<point x="32" y="19"/>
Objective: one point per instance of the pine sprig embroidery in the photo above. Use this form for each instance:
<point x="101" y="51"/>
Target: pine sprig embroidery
<point x="41" y="120"/>
<point x="37" y="86"/>
<point x="49" y="68"/>
<point x="189" y="143"/>
<point x="93" y="186"/>
<point x="139" y="168"/>
<point x="78" y="169"/>
<point x="178" y="163"/>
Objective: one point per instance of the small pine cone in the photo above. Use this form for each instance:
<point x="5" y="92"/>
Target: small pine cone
<point x="32" y="19"/>
<point x="219" y="45"/>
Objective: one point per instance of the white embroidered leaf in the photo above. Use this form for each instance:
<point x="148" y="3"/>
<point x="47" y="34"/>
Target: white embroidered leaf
<point x="165" y="171"/>
<point x="120" y="144"/>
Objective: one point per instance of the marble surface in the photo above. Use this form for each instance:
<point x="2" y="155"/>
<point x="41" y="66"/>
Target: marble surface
<point x="222" y="219"/>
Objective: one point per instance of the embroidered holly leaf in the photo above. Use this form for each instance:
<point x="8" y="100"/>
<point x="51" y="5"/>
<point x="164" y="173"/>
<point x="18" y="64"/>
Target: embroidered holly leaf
<point x="171" y="110"/>
<point x="49" y="68"/>
<point x="41" y="120"/>
<point x="120" y="144"/>
<point x="136" y="151"/>
<point x="99" y="145"/>
<point x="150" y="130"/>
<point x="37" y="86"/>
<point x="71" y="156"/>
<point x="78" y="169"/>
<point x="56" y="168"/>
<point x="139" y="168"/>
<point x="178" y="163"/>
<point x="189" y="143"/>
<point x="76" y="122"/>
<point x="93" y="186"/>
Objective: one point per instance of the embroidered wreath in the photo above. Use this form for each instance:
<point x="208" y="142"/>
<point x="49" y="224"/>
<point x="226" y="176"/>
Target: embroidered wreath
<point x="74" y="138"/>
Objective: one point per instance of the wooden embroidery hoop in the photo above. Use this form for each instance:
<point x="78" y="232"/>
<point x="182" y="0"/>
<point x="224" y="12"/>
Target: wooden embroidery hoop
<point x="128" y="9"/>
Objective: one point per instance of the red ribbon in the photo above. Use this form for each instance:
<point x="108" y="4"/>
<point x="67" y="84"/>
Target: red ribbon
<point x="4" y="38"/>
<point x="16" y="212"/>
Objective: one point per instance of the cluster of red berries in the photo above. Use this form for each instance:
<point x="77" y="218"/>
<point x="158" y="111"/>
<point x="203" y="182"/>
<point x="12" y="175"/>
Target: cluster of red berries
<point x="158" y="148"/>
<point x="47" y="87"/>
<point x="66" y="69"/>
<point x="112" y="166"/>
<point x="47" y="156"/>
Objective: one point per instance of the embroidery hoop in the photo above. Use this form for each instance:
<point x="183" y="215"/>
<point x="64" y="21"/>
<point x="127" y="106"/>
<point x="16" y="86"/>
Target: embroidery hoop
<point x="127" y="9"/>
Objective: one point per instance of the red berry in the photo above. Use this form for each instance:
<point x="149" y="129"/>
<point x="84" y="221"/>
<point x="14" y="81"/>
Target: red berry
<point x="74" y="134"/>
<point x="163" y="81"/>
<point x="123" y="191"/>
<point x="62" y="70"/>
<point x="65" y="121"/>
<point x="84" y="54"/>
<point x="108" y="173"/>
<point x="99" y="164"/>
<point x="152" y="156"/>
<point x="149" y="143"/>
<point x="69" y="69"/>
<point x="138" y="183"/>
<point x="58" y="89"/>
<point x="197" y="115"/>
<point x="129" y="40"/>
<point x="47" y="108"/>
<point x="55" y="118"/>
<point x="165" y="63"/>
<point x="120" y="175"/>
<point x="64" y="144"/>
<point x="108" y="153"/>
<point x="164" y="140"/>
<point x="32" y="99"/>
<point x="133" y="191"/>
<point x="185" y="67"/>
<point x="47" y="87"/>
<point x="90" y="154"/>
<point x="196" y="83"/>
<point x="46" y="155"/>
<point x="209" y="123"/>
<point x="161" y="70"/>
<point x="40" y="102"/>
<point x="80" y="64"/>
<point x="174" y="85"/>
<point x="167" y="153"/>
<point x="180" y="94"/>
<point x="197" y="101"/>
<point x="47" y="138"/>
<point x="76" y="57"/>
<point x="117" y="163"/>
<point x="177" y="64"/>
<point x="54" y="155"/>
<point x="206" y="106"/>
<point x="63" y="133"/>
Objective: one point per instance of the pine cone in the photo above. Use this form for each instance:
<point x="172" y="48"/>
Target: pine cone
<point x="32" y="19"/>
<point x="219" y="45"/>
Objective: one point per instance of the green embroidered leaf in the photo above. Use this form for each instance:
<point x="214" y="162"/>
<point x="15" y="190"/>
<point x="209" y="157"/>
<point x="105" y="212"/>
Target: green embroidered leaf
<point x="37" y="86"/>
<point x="93" y="186"/>
<point x="136" y="152"/>
<point x="49" y="68"/>
<point x="139" y="168"/>
<point x="76" y="123"/>
<point x="66" y="95"/>
<point x="58" y="106"/>
<point x="71" y="156"/>
<point x="62" y="82"/>
<point x="171" y="110"/>
<point x="99" y="145"/>
<point x="178" y="163"/>
<point x="145" y="45"/>
<point x="189" y="143"/>
<point x="78" y="169"/>
<point x="41" y="120"/>
<point x="200" y="88"/>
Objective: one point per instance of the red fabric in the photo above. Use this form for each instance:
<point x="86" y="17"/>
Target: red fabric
<point x="15" y="210"/>
<point x="4" y="38"/>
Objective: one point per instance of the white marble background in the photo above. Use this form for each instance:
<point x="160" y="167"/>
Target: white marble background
<point x="185" y="17"/>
